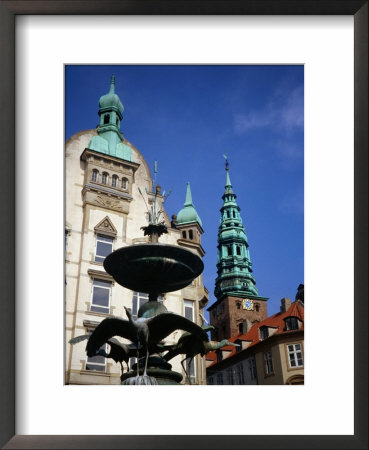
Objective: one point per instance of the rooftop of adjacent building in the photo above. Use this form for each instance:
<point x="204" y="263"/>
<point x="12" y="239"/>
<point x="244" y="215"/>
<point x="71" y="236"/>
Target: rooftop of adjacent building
<point x="253" y="336"/>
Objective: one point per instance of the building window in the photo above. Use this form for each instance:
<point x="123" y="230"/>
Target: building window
<point x="114" y="181"/>
<point x="138" y="299"/>
<point x="228" y="216"/>
<point x="230" y="376"/>
<point x="257" y="307"/>
<point x="106" y="119"/>
<point x="124" y="183"/>
<point x="268" y="362"/>
<point x="192" y="372"/>
<point x="189" y="309"/>
<point x="252" y="368"/>
<point x="184" y="235"/>
<point x="295" y="355"/>
<point x="239" y="345"/>
<point x="105" y="177"/>
<point x="229" y="251"/>
<point x="219" y="378"/>
<point x="98" y="362"/>
<point x="238" y="305"/>
<point x="190" y="234"/>
<point x="240" y="374"/>
<point x="238" y="250"/>
<point x="95" y="176"/>
<point x="291" y="323"/>
<point x="240" y="327"/>
<point x="210" y="381"/>
<point x="264" y="332"/>
<point x="104" y="246"/>
<point x="101" y="291"/>
<point x="219" y="354"/>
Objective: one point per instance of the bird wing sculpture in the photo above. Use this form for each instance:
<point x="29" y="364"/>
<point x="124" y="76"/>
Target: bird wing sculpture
<point x="164" y="324"/>
<point x="109" y="327"/>
<point x="77" y="339"/>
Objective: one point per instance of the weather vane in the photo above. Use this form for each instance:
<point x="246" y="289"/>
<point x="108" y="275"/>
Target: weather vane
<point x="226" y="158"/>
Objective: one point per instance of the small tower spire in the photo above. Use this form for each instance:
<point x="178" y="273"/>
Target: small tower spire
<point x="188" y="201"/>
<point x="112" y="85"/>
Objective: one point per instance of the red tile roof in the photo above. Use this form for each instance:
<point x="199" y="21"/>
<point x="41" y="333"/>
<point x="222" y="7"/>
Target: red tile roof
<point x="253" y="336"/>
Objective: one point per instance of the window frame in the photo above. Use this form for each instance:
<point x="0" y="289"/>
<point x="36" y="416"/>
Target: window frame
<point x="96" y="305"/>
<point x="99" y="238"/>
<point x="93" y="363"/>
<point x="189" y="304"/>
<point x="268" y="363"/>
<point x="294" y="354"/>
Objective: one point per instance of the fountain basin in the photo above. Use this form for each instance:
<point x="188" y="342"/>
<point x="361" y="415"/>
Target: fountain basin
<point x="153" y="268"/>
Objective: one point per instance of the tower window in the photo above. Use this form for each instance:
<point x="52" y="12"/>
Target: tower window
<point x="257" y="307"/>
<point x="95" y="176"/>
<point x="233" y="214"/>
<point x="117" y="122"/>
<point x="184" y="235"/>
<point x="240" y="327"/>
<point x="105" y="177"/>
<point x="100" y="296"/>
<point x="190" y="234"/>
<point x="228" y="216"/>
<point x="106" y="119"/>
<point x="238" y="250"/>
<point x="124" y="183"/>
<point x="229" y="251"/>
<point x="238" y="305"/>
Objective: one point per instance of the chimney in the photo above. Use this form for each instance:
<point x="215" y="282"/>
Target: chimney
<point x="285" y="304"/>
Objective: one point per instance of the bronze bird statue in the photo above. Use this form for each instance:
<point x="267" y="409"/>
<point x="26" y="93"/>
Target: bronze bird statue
<point x="143" y="332"/>
<point x="191" y="345"/>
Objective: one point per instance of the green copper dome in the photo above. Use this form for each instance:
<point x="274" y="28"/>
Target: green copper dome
<point x="111" y="100"/>
<point x="188" y="213"/>
<point x="109" y="140"/>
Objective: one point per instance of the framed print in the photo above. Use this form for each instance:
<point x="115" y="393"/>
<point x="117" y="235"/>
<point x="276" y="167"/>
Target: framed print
<point x="38" y="410"/>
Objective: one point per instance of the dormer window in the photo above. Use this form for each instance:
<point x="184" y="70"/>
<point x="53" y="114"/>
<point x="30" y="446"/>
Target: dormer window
<point x="106" y="119"/>
<point x="95" y="176"/>
<point x="291" y="323"/>
<point x="264" y="332"/>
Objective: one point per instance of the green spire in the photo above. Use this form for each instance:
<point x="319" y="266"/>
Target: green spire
<point x="109" y="139"/>
<point x="188" y="213"/>
<point x="234" y="264"/>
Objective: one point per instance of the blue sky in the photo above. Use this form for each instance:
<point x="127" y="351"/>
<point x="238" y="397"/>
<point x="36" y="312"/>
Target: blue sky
<point x="186" y="117"/>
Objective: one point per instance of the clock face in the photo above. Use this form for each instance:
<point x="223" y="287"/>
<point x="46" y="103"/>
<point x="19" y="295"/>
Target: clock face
<point x="248" y="304"/>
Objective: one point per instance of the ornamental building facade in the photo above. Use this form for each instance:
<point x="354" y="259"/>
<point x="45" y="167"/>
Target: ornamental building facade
<point x="105" y="211"/>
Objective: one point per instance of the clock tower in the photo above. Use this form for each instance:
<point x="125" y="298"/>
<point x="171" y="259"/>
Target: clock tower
<point x="238" y="305"/>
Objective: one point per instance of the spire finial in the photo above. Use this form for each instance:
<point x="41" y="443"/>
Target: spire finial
<point x="112" y="85"/>
<point x="188" y="200"/>
<point x="227" y="162"/>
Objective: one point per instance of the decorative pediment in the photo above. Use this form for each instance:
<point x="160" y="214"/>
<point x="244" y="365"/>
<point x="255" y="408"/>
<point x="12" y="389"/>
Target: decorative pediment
<point x="106" y="227"/>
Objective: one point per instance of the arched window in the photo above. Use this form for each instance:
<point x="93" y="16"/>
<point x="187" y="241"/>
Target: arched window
<point x="257" y="307"/>
<point x="190" y="234"/>
<point x="238" y="305"/>
<point x="114" y="181"/>
<point x="228" y="215"/>
<point x="95" y="176"/>
<point x="124" y="183"/>
<point x="105" y="177"/>
<point x="184" y="235"/>
<point x="106" y="119"/>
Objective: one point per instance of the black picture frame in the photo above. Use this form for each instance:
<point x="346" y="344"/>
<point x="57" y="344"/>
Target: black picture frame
<point x="8" y="10"/>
